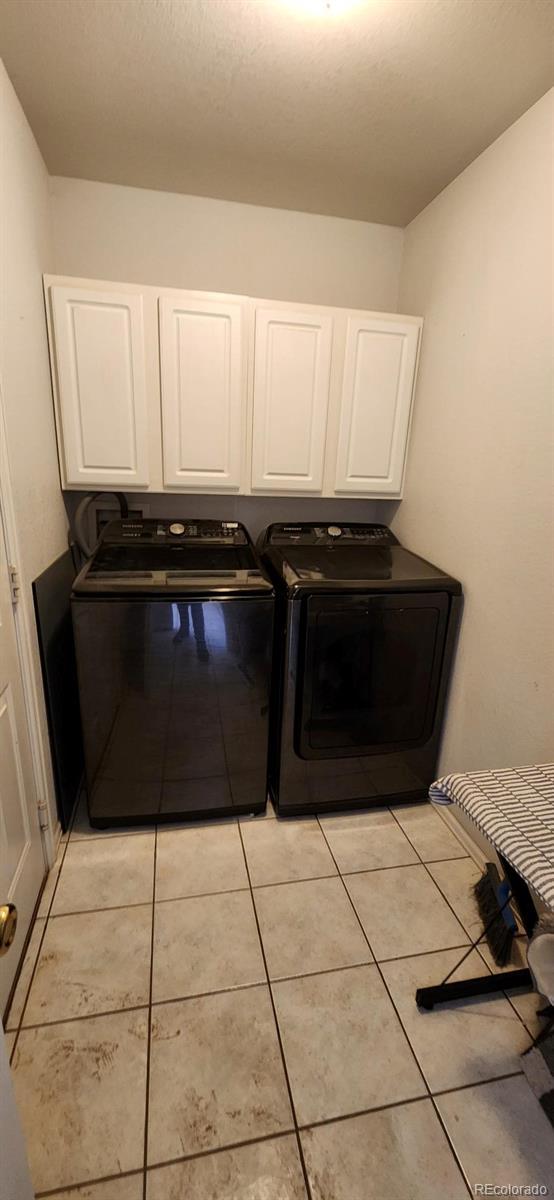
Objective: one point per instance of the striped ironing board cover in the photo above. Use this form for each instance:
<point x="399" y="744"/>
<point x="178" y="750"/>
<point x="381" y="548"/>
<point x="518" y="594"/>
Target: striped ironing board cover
<point x="514" y="809"/>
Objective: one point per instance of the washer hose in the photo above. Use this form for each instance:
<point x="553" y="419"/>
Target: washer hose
<point x="80" y="514"/>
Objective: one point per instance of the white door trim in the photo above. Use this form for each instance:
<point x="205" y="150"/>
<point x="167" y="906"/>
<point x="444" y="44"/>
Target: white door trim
<point x="50" y="836"/>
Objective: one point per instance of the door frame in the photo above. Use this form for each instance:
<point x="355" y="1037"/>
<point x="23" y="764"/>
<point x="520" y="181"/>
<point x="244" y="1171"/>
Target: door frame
<point x="8" y="530"/>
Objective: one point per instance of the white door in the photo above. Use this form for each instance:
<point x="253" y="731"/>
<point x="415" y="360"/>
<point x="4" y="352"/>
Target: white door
<point x="292" y="370"/>
<point x="22" y="867"/>
<point x="15" y="1179"/>
<point x="378" y="382"/>
<point x="203" y="378"/>
<point x="101" y="387"/>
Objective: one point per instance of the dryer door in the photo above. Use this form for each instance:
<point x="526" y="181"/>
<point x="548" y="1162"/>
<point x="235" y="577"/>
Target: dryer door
<point x="369" y="672"/>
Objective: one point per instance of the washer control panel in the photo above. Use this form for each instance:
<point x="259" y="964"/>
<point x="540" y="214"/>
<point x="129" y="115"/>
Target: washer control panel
<point x="162" y="530"/>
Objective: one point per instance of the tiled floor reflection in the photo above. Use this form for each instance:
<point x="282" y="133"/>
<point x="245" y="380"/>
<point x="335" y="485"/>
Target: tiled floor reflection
<point x="225" y="1011"/>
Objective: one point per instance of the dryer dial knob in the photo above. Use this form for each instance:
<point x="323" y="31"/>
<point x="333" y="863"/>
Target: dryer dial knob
<point x="176" y="528"/>
<point x="334" y="531"/>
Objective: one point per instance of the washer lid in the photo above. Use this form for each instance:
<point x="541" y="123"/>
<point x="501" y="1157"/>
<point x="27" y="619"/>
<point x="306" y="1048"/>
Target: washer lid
<point x="387" y="568"/>
<point x="154" y="556"/>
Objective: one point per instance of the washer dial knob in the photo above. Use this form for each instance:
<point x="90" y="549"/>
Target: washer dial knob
<point x="177" y="528"/>
<point x="334" y="531"/>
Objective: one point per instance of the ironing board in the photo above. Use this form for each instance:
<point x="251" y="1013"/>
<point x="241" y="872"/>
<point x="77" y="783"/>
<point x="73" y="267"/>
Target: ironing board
<point x="514" y="810"/>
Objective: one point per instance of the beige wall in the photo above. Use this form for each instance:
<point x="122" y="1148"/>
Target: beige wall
<point x="26" y="250"/>
<point x="105" y="231"/>
<point x="479" y="496"/>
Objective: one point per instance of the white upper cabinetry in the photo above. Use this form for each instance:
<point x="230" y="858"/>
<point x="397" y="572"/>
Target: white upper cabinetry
<point x="292" y="367"/>
<point x="168" y="390"/>
<point x="100" y="381"/>
<point x="203" y="391"/>
<point x="375" y="405"/>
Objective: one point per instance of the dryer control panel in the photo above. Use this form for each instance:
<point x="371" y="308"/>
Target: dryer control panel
<point x="330" y="535"/>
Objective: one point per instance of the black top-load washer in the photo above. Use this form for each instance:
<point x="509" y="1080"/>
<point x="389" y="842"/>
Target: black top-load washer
<point x="173" y="624"/>
<point x="364" y="639"/>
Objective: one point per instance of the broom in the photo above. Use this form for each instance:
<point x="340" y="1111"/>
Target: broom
<point x="492" y="894"/>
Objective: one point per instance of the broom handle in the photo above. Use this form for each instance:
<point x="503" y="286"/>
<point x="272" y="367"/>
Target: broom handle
<point x="480" y="938"/>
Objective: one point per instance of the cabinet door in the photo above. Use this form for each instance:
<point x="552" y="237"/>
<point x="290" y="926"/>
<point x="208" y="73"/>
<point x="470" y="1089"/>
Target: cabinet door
<point x="292" y="364"/>
<point x="203" y="392"/>
<point x="101" y="387"/>
<point x="378" y="380"/>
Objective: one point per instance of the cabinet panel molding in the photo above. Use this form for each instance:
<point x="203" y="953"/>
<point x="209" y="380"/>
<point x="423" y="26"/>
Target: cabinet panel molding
<point x="172" y="390"/>
<point x="292" y="363"/>
<point x="375" y="406"/>
<point x="101" y="387"/>
<point x="203" y="383"/>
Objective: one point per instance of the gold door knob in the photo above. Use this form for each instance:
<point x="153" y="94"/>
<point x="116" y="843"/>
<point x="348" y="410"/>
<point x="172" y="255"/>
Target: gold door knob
<point x="8" y="926"/>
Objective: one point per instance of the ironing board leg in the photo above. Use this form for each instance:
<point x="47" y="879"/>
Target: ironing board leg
<point x="522" y="897"/>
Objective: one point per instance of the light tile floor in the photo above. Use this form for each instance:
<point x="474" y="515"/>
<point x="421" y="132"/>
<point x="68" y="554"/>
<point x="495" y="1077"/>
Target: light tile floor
<point x="226" y="1011"/>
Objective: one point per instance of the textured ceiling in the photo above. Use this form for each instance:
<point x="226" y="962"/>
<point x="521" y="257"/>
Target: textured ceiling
<point x="365" y="110"/>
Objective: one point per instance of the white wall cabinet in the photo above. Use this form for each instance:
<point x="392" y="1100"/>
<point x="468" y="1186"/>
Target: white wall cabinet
<point x="203" y="392"/>
<point x="292" y="365"/>
<point x="169" y="390"/>
<point x="375" y="404"/>
<point x="101" y="387"/>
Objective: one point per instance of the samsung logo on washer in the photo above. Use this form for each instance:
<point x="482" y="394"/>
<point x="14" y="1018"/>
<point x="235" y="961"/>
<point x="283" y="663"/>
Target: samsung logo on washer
<point x="314" y="667"/>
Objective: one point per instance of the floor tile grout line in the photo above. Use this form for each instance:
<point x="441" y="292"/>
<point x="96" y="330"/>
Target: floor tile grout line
<point x="228" y="891"/>
<point x="451" y="907"/>
<point x="437" y="885"/>
<point x="36" y="917"/>
<point x="239" y="987"/>
<point x="277" y="1028"/>
<point x="75" y="1187"/>
<point x="106" y="836"/>
<point x="422" y="953"/>
<point x="266" y="1137"/>
<point x="259" y="887"/>
<point x="78" y="912"/>
<point x="401" y="1023"/>
<point x="149" y="1028"/>
<point x="46" y="919"/>
<point x="447" y="901"/>
<point x="359" y="871"/>
<point x="100" y="836"/>
<point x="167" y="1162"/>
<point x="401" y="866"/>
<point x="423" y="1099"/>
<point x="465" y="1087"/>
<point x="283" y="1133"/>
<point x="89" y="912"/>
<point x="202" y="895"/>
<point x="393" y="809"/>
<point x="92" y="1016"/>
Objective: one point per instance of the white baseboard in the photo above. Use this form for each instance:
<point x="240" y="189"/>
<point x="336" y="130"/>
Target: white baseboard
<point x="475" y="851"/>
